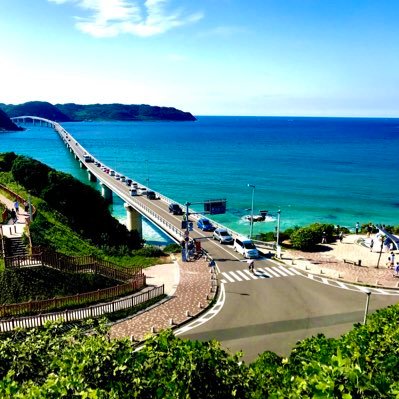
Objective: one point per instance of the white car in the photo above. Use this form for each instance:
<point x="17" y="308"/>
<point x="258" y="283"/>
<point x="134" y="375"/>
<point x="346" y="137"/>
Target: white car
<point x="245" y="247"/>
<point x="223" y="236"/>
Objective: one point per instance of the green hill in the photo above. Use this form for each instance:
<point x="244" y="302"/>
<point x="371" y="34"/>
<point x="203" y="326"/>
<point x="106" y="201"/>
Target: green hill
<point x="97" y="112"/>
<point x="35" y="108"/>
<point x="6" y="124"/>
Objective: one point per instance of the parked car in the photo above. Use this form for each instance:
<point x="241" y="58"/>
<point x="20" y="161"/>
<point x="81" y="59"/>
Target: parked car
<point x="151" y="195"/>
<point x="175" y="209"/>
<point x="205" y="225"/>
<point x="245" y="247"/>
<point x="223" y="236"/>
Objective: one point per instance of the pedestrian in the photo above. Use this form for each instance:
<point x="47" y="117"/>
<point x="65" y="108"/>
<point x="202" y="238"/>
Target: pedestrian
<point x="16" y="206"/>
<point x="324" y="238"/>
<point x="371" y="245"/>
<point x="357" y="228"/>
<point x="396" y="270"/>
<point x="251" y="265"/>
<point x="26" y="207"/>
<point x="341" y="236"/>
<point x="13" y="216"/>
<point x="392" y="259"/>
<point x="369" y="230"/>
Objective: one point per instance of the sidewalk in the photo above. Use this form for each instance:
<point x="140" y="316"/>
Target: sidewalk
<point x="330" y="262"/>
<point x="189" y="289"/>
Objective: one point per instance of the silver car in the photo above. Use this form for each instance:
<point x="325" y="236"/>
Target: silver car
<point x="223" y="236"/>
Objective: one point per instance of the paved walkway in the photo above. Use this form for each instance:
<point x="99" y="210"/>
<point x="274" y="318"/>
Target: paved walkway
<point x="189" y="286"/>
<point x="330" y="262"/>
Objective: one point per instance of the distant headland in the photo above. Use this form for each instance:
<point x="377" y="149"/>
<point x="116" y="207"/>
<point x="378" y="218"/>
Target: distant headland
<point x="92" y="112"/>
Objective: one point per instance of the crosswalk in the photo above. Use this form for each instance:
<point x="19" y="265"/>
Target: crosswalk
<point x="259" y="273"/>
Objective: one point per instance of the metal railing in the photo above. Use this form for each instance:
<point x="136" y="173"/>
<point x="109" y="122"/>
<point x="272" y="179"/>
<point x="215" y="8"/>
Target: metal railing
<point x="84" y="313"/>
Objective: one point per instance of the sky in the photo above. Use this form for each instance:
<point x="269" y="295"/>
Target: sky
<point x="207" y="57"/>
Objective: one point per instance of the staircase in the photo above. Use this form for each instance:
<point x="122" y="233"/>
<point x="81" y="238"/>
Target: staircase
<point x="14" y="246"/>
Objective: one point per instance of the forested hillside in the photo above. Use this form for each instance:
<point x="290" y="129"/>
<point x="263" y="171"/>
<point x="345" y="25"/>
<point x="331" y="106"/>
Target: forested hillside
<point x="6" y="124"/>
<point x="96" y="112"/>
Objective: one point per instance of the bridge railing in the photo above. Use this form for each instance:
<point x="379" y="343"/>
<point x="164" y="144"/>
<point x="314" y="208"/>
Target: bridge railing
<point x="174" y="231"/>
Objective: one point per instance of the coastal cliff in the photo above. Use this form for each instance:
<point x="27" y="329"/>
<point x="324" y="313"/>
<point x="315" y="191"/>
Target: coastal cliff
<point x="96" y="112"/>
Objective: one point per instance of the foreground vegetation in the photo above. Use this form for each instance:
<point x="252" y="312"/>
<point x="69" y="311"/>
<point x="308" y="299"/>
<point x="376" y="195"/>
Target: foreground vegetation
<point x="52" y="363"/>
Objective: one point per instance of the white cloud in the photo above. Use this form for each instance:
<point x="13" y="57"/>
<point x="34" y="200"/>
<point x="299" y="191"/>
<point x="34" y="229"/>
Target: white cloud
<point x="223" y="31"/>
<point x="137" y="17"/>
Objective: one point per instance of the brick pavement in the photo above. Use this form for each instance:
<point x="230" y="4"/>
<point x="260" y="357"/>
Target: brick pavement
<point x="193" y="294"/>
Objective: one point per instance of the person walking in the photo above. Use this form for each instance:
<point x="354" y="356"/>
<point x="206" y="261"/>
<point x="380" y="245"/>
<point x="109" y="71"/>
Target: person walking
<point x="357" y="228"/>
<point x="13" y="215"/>
<point x="16" y="206"/>
<point x="251" y="265"/>
<point x="341" y="236"/>
<point x="392" y="259"/>
<point x="371" y="245"/>
<point x="324" y="238"/>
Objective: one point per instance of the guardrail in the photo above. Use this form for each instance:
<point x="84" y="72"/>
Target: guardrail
<point x="161" y="222"/>
<point x="84" y="313"/>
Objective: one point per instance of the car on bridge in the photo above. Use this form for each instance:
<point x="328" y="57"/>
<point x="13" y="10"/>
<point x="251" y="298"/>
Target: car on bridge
<point x="205" y="225"/>
<point x="151" y="195"/>
<point x="245" y="247"/>
<point x="175" y="209"/>
<point x="223" y="236"/>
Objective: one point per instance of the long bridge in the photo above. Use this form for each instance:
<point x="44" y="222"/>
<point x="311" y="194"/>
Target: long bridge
<point x="269" y="309"/>
<point x="137" y="206"/>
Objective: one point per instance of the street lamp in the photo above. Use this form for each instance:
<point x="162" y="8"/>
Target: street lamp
<point x="252" y="211"/>
<point x="368" y="293"/>
<point x="148" y="176"/>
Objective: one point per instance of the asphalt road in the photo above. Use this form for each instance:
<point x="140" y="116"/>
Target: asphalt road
<point x="265" y="313"/>
<point x="274" y="313"/>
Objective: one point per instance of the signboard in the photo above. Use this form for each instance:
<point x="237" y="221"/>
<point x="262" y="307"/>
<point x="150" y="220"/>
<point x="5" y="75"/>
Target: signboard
<point x="184" y="225"/>
<point x="215" y="207"/>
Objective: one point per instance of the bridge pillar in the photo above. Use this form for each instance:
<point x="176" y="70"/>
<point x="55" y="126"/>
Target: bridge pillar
<point x="82" y="165"/>
<point x="91" y="176"/>
<point x="106" y="192"/>
<point x="133" y="219"/>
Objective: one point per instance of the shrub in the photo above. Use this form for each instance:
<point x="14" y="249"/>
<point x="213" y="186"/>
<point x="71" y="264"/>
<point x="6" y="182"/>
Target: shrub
<point x="304" y="239"/>
<point x="172" y="248"/>
<point x="150" y="251"/>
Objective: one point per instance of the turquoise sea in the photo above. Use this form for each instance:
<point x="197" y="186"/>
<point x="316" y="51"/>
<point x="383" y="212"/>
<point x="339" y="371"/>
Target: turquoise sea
<point x="335" y="170"/>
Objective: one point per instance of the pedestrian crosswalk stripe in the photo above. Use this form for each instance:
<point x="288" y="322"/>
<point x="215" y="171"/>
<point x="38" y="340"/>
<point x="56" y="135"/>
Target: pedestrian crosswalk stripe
<point x="296" y="272"/>
<point x="236" y="277"/>
<point x="249" y="274"/>
<point x="258" y="273"/>
<point x="272" y="272"/>
<point x="228" y="277"/>
<point x="262" y="273"/>
<point x="244" y="276"/>
<point x="286" y="270"/>
<point x="277" y="270"/>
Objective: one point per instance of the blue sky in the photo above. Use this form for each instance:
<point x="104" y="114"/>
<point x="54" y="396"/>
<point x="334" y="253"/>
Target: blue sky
<point x="209" y="57"/>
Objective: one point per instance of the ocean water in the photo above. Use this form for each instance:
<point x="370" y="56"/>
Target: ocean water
<point x="333" y="170"/>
